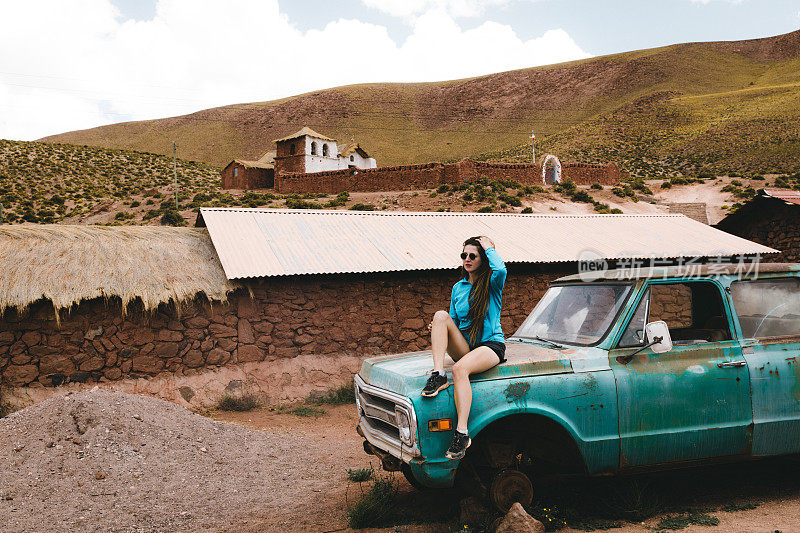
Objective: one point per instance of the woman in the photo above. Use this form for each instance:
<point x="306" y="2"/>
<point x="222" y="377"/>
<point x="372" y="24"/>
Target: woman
<point x="470" y="333"/>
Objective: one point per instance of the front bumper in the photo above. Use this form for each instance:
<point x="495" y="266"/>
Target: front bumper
<point x="430" y="473"/>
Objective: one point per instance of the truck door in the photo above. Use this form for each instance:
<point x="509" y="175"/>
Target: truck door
<point x="692" y="402"/>
<point x="768" y="312"/>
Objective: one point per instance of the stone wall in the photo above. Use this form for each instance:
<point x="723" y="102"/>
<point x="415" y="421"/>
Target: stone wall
<point x="306" y="316"/>
<point x="770" y="222"/>
<point x="247" y="177"/>
<point x="431" y="175"/>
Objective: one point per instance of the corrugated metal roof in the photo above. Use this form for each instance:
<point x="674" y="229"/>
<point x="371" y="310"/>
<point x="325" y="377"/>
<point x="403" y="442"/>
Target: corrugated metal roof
<point x="792" y="197"/>
<point x="278" y="242"/>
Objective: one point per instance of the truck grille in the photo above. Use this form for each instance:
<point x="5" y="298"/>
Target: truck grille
<point x="376" y="409"/>
<point x="379" y="414"/>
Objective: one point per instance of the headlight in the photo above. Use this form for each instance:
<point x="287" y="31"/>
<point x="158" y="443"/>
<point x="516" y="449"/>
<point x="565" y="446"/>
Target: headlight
<point x="404" y="425"/>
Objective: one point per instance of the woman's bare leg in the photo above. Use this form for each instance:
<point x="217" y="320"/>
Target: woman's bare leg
<point x="445" y="337"/>
<point x="478" y="360"/>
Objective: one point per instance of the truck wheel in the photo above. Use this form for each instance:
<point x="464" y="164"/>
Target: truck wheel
<point x="509" y="486"/>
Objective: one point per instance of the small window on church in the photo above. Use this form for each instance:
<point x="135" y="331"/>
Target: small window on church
<point x="235" y="171"/>
<point x="325" y="150"/>
<point x="313" y="148"/>
<point x="291" y="149"/>
<point x="352" y="158"/>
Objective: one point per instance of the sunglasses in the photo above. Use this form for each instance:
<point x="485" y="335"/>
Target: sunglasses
<point x="472" y="257"/>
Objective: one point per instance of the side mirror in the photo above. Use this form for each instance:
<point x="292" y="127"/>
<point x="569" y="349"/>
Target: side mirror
<point x="658" y="331"/>
<point x="657" y="334"/>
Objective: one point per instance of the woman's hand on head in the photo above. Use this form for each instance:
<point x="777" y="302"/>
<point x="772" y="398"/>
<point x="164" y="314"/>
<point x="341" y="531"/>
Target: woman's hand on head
<point x="486" y="242"/>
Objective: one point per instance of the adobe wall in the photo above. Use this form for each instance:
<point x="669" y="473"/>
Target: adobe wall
<point x="294" y="335"/>
<point x="432" y="175"/>
<point x="248" y="178"/>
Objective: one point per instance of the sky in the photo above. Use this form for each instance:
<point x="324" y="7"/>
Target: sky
<point x="75" y="64"/>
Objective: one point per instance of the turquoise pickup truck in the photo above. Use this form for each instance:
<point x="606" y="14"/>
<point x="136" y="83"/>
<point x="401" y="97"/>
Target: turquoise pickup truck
<point x="629" y="370"/>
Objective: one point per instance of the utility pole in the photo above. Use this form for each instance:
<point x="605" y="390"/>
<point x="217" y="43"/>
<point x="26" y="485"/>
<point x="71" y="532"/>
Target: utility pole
<point x="533" y="143"/>
<point x="2" y="215"/>
<point x="175" y="171"/>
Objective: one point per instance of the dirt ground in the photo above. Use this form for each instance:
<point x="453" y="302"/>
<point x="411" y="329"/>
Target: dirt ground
<point x="109" y="461"/>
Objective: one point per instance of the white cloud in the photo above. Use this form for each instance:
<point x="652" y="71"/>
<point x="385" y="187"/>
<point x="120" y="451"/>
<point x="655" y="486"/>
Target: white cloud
<point x="456" y="8"/>
<point x="84" y="66"/>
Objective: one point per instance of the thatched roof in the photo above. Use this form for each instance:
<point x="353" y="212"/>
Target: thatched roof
<point x="253" y="164"/>
<point x="302" y="133"/>
<point x="267" y="157"/>
<point x="353" y="147"/>
<point x="67" y="264"/>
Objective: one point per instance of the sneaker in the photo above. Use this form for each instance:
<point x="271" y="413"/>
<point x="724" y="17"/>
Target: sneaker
<point x="459" y="446"/>
<point x="435" y="383"/>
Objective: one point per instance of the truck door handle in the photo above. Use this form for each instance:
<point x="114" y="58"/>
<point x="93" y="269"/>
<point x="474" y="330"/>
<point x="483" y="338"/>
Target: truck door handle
<point x="732" y="364"/>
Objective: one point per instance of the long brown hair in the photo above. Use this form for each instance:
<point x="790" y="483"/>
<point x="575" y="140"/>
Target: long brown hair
<point x="479" y="294"/>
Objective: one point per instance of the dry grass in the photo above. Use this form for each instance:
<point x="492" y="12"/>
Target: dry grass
<point x="67" y="264"/>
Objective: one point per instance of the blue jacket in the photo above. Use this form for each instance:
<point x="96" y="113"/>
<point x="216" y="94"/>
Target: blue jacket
<point x="459" y="301"/>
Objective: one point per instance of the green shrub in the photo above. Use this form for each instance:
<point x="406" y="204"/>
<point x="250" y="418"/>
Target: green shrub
<point x="340" y="200"/>
<point x="467" y="197"/>
<point x="297" y="203"/>
<point x="334" y="396"/>
<point x="685" y="520"/>
<point x="565" y="187"/>
<point x="581" y="196"/>
<point x="122" y="215"/>
<point x="136" y="203"/>
<point x="737" y="183"/>
<point x="510" y="200"/>
<point x="172" y="218"/>
<point x="362" y="207"/>
<point x="666" y="185"/>
<point x="597" y="187"/>
<point x="527" y="210"/>
<point x="359" y="475"/>
<point x="486" y="209"/>
<point x="376" y="507"/>
<point x="246" y="402"/>
<point x="443" y="188"/>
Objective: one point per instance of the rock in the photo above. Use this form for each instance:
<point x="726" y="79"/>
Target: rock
<point x="248" y="353"/>
<point x="472" y="512"/>
<point x="228" y="345"/>
<point x="17" y="376"/>
<point x="95" y="363"/>
<point x="245" y="332"/>
<point x="303" y="339"/>
<point x="142" y="336"/>
<point x="218" y="330"/>
<point x="113" y="373"/>
<point x="54" y="363"/>
<point x="93" y="332"/>
<point x="187" y="393"/>
<point x="147" y="363"/>
<point x="217" y="356"/>
<point x="31" y="338"/>
<point x="6" y="338"/>
<point x="518" y="521"/>
<point x="197" y="322"/>
<point x="168" y="335"/>
<point x="193" y="359"/>
<point x="166" y="350"/>
<point x="413" y="323"/>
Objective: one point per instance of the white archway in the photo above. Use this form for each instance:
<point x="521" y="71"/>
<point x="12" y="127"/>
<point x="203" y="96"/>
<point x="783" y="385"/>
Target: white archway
<point x="555" y="177"/>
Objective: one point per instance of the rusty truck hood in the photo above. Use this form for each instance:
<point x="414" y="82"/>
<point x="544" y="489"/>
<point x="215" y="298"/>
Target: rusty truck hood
<point x="406" y="373"/>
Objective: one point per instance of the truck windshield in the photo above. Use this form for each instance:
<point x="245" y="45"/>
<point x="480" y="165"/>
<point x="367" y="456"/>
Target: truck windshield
<point x="575" y="314"/>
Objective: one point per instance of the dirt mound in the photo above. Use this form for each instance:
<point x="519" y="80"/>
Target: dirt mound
<point x="108" y="461"/>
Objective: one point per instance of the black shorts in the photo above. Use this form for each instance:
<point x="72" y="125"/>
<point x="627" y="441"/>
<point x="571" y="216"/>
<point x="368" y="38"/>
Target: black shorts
<point x="497" y="347"/>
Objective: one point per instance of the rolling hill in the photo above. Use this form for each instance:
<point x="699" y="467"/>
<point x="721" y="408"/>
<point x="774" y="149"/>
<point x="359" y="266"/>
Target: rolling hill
<point x="721" y="106"/>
